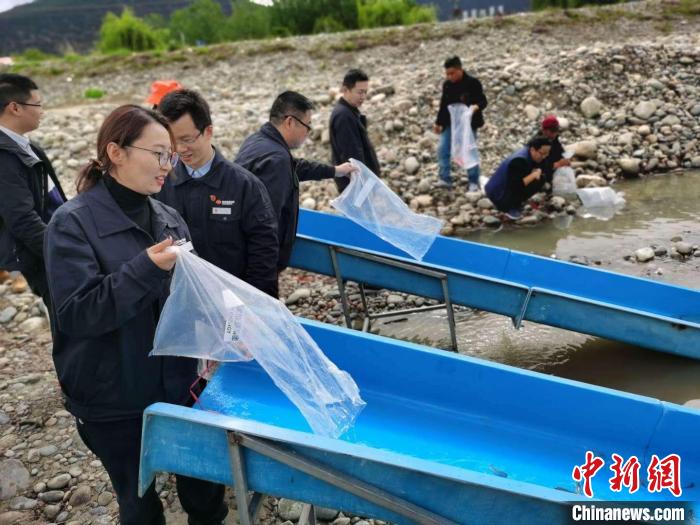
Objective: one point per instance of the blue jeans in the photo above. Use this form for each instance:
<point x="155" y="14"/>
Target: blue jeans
<point x="444" y="154"/>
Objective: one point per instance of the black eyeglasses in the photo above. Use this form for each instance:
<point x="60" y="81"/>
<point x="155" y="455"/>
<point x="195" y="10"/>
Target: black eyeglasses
<point x="191" y="140"/>
<point x="164" y="157"/>
<point x="22" y="104"/>
<point x="308" y="128"/>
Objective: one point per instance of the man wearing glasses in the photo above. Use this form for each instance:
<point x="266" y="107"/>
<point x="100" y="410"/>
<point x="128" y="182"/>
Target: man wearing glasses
<point x="226" y="208"/>
<point x="29" y="188"/>
<point x="267" y="153"/>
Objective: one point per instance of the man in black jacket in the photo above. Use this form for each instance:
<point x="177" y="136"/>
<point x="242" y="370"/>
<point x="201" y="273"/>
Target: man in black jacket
<point x="348" y="127"/>
<point x="267" y="153"/>
<point x="29" y="186"/>
<point x="459" y="87"/>
<point x="226" y="208"/>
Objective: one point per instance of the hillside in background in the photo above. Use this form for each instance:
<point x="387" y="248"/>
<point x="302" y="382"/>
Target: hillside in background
<point x="55" y="26"/>
<point x="58" y="26"/>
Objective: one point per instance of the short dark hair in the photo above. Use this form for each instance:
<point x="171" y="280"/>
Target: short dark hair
<point x="289" y="103"/>
<point x="186" y="101"/>
<point x="453" y="61"/>
<point x="538" y="141"/>
<point x="15" y="88"/>
<point x="354" y="76"/>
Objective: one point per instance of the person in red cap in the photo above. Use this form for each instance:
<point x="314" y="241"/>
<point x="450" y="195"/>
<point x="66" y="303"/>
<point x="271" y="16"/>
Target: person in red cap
<point x="550" y="129"/>
<point x="159" y="89"/>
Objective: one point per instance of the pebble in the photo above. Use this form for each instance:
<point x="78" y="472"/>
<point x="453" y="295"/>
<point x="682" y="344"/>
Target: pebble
<point x="7" y="314"/>
<point x="59" y="482"/>
<point x="301" y="293"/>
<point x="105" y="498"/>
<point x="591" y="107"/>
<point x="289" y="510"/>
<point x="683" y="248"/>
<point x="411" y="165"/>
<point x="81" y="496"/>
<point x="33" y="324"/>
<point x="14" y="478"/>
<point x="644" y="254"/>
<point x="52" y="496"/>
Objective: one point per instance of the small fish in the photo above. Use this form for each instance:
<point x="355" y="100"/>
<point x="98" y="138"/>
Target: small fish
<point x="500" y="473"/>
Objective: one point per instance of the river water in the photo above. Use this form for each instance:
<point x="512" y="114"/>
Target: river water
<point x="657" y="209"/>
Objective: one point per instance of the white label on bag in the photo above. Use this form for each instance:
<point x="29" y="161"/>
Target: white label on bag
<point x="221" y="211"/>
<point x="232" y="328"/>
<point x="364" y="192"/>
<point x="234" y="315"/>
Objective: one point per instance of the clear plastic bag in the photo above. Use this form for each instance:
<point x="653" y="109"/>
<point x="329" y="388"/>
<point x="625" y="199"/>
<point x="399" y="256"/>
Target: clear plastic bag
<point x="601" y="203"/>
<point x="213" y="315"/>
<point x="464" y="150"/>
<point x="564" y="181"/>
<point x="371" y="204"/>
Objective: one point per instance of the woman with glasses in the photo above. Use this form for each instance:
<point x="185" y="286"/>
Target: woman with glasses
<point x="109" y="272"/>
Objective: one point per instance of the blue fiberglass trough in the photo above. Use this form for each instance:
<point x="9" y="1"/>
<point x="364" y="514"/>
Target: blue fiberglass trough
<point x="463" y="439"/>
<point x="638" y="311"/>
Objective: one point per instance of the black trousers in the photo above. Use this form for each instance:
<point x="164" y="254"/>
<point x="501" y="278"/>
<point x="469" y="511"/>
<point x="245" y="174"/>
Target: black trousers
<point x="118" y="445"/>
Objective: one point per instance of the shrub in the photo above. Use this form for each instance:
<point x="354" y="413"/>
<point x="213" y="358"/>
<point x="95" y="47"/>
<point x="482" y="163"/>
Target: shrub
<point x="128" y="32"/>
<point x="327" y="24"/>
<point x="248" y="21"/>
<point x="200" y="22"/>
<point x="94" y="93"/>
<point x="381" y="13"/>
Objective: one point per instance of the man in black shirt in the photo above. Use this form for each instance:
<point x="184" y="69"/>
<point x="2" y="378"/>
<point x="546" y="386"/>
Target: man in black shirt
<point x="29" y="188"/>
<point x="459" y="87"/>
<point x="227" y="209"/>
<point x="348" y="127"/>
<point x="267" y="153"/>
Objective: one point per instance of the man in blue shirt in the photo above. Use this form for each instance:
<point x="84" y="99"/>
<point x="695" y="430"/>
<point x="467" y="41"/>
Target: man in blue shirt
<point x="519" y="177"/>
<point x="227" y="209"/>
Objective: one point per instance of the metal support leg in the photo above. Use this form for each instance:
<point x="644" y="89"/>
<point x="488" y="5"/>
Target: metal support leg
<point x="450" y="313"/>
<point x="341" y="286"/>
<point x="334" y="250"/>
<point x="338" y="479"/>
<point x="518" y="321"/>
<point x="248" y="505"/>
<point x="367" y="321"/>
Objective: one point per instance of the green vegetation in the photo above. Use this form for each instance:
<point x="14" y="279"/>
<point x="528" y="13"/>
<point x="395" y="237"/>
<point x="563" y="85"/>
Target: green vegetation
<point x="128" y="32"/>
<point x="94" y="93"/>
<point x="251" y="30"/>
<point x="203" y="22"/>
<point x="380" y="13"/>
<point x="198" y="23"/>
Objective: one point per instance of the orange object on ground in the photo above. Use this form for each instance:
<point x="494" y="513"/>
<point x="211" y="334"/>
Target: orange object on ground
<point x="160" y="88"/>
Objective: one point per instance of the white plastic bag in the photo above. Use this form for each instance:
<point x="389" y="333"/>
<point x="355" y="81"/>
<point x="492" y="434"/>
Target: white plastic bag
<point x="465" y="152"/>
<point x="601" y="203"/>
<point x="213" y="315"/>
<point x="564" y="181"/>
<point x="371" y="204"/>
